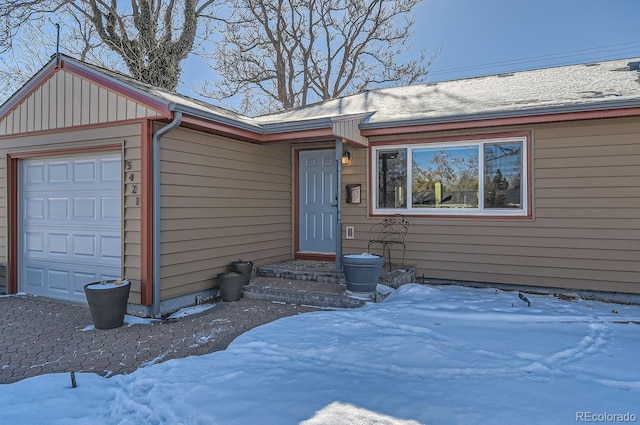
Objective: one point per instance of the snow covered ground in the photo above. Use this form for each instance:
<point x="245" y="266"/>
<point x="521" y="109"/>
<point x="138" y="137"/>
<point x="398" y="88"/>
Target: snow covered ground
<point x="432" y="355"/>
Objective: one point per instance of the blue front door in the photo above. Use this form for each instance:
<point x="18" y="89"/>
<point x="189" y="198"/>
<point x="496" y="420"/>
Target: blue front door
<point x="317" y="201"/>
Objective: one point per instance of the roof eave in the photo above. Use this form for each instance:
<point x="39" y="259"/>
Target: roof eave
<point x="608" y="109"/>
<point x="281" y="131"/>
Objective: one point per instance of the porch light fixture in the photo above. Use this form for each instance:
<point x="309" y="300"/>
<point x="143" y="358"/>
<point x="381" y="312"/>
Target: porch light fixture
<point x="346" y="158"/>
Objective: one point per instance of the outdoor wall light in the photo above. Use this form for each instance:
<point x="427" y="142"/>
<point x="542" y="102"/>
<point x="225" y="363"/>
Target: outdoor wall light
<point x="346" y="158"/>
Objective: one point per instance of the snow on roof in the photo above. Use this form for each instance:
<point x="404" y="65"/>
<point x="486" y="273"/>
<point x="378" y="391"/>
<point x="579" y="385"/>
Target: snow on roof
<point x="513" y="94"/>
<point x="573" y="88"/>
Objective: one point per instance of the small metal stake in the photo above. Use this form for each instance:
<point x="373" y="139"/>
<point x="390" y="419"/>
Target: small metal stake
<point x="523" y="298"/>
<point x="73" y="380"/>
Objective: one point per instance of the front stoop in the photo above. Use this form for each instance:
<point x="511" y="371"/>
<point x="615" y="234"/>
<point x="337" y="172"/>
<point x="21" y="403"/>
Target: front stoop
<point x="300" y="292"/>
<point x="315" y="283"/>
<point x="316" y="271"/>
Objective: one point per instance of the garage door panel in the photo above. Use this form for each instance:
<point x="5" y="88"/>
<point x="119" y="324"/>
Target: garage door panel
<point x="34" y="279"/>
<point x="82" y="278"/>
<point x="73" y="246"/>
<point x="34" y="174"/>
<point x="110" y="209"/>
<point x="63" y="282"/>
<point x="110" y="248"/>
<point x="84" y="247"/>
<point x="57" y="209"/>
<point x="58" y="244"/>
<point x="85" y="171"/>
<point x="34" y="244"/>
<point x="110" y="171"/>
<point x="85" y="209"/>
<point x="58" y="280"/>
<point x="82" y="207"/>
<point x="58" y="173"/>
<point x="34" y="208"/>
<point x="71" y="223"/>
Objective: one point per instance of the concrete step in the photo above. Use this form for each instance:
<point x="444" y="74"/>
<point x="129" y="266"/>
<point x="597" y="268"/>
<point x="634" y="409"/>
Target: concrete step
<point x="323" y="272"/>
<point x="315" y="283"/>
<point x="301" y="292"/>
<point x="317" y="271"/>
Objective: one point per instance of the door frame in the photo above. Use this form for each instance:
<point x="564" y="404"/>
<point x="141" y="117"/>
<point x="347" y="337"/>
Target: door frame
<point x="296" y="207"/>
<point x="13" y="207"/>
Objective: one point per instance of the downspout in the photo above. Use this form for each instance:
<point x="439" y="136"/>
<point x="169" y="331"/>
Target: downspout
<point x="177" y="119"/>
<point x="338" y="231"/>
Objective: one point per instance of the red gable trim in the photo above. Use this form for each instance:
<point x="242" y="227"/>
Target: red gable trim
<point x="95" y="77"/>
<point x="12" y="104"/>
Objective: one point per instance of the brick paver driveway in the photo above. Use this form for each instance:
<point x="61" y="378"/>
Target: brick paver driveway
<point x="39" y="335"/>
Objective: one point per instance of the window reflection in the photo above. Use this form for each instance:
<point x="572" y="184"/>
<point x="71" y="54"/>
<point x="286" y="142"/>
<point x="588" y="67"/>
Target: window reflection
<point x="465" y="177"/>
<point x="502" y="175"/>
<point x="445" y="177"/>
<point x="392" y="178"/>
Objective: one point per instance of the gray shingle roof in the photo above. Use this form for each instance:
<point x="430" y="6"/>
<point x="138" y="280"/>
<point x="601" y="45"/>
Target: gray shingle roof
<point x="575" y="88"/>
<point x="603" y="85"/>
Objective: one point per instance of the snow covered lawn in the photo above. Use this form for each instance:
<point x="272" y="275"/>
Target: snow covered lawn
<point x="432" y="355"/>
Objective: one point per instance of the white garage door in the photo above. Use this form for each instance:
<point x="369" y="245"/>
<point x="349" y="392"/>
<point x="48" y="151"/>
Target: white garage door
<point x="70" y="224"/>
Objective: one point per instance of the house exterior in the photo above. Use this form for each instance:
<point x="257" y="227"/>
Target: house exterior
<point x="531" y="178"/>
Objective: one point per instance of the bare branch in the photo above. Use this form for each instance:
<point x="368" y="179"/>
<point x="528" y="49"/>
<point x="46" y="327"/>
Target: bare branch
<point x="152" y="37"/>
<point x="302" y="51"/>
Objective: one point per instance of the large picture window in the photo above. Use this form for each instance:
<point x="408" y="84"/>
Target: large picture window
<point x="486" y="177"/>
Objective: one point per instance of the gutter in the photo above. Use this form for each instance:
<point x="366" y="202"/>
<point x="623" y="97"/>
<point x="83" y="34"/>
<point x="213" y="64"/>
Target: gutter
<point x="266" y="128"/>
<point x="157" y="135"/>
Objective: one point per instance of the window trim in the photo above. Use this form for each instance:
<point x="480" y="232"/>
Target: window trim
<point x="520" y="137"/>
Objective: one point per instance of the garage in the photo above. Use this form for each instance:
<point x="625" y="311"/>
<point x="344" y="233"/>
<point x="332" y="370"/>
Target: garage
<point x="70" y="223"/>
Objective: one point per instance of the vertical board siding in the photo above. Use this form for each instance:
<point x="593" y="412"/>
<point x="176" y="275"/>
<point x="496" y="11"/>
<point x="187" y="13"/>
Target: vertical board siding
<point x="221" y="200"/>
<point x="350" y="129"/>
<point x="585" y="229"/>
<point x="129" y="136"/>
<point x="66" y="100"/>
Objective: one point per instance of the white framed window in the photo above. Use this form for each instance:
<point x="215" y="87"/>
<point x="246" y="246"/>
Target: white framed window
<point x="473" y="177"/>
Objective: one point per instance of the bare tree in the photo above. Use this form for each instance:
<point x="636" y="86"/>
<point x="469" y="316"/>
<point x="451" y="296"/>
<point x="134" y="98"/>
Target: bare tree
<point x="294" y="52"/>
<point x="152" y="37"/>
<point x="28" y="54"/>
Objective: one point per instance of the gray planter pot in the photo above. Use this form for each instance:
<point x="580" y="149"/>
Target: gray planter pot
<point x="244" y="268"/>
<point x="362" y="271"/>
<point x="230" y="284"/>
<point x="107" y="302"/>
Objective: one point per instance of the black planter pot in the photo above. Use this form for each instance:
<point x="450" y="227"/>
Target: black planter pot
<point x="243" y="267"/>
<point x="362" y="272"/>
<point x="107" y="302"/>
<point x="230" y="284"/>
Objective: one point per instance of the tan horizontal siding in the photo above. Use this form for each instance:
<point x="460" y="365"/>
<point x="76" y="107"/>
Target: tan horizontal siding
<point x="585" y="227"/>
<point x="537" y="246"/>
<point x="248" y="212"/>
<point x="227" y="222"/>
<point x="618" y="171"/>
<point x="216" y="230"/>
<point x="520" y="277"/>
<point x="192" y="271"/>
<point x="221" y="200"/>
